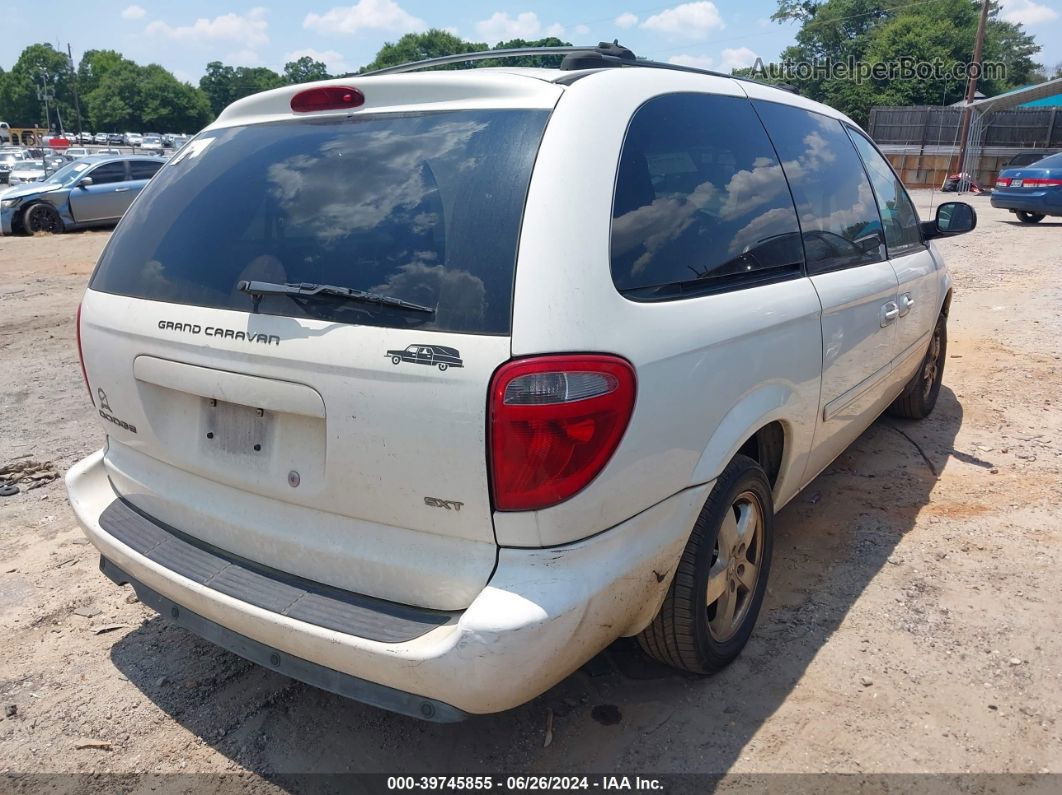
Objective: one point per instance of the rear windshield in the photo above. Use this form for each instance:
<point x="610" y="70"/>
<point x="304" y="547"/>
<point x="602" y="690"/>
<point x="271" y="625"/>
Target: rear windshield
<point x="425" y="207"/>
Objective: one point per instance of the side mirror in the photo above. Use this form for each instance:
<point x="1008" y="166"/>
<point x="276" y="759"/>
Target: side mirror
<point x="84" y="182"/>
<point x="953" y="218"/>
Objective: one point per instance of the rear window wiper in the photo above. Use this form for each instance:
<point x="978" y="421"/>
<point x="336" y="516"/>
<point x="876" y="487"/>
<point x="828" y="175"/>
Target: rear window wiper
<point x="303" y="290"/>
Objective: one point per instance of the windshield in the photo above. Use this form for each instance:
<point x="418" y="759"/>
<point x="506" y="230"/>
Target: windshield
<point x="68" y="174"/>
<point x="424" y="207"/>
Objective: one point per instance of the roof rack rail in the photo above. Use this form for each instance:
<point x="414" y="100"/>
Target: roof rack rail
<point x="604" y="55"/>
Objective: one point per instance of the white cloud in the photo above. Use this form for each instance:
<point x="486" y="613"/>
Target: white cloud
<point x="696" y="61"/>
<point x="133" y="12"/>
<point x="335" y="61"/>
<point x="243" y="58"/>
<point x="737" y="58"/>
<point x="384" y="15"/>
<point x="525" y="25"/>
<point x="626" y="20"/>
<point x="1026" y="12"/>
<point x="689" y="20"/>
<point x="249" y="29"/>
<point x="581" y="30"/>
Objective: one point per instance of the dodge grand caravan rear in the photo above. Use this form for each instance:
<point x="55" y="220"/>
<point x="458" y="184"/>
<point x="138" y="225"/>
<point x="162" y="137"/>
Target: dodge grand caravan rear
<point x="603" y="270"/>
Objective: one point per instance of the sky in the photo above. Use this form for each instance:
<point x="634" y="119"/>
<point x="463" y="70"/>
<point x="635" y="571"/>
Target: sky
<point x="184" y="36"/>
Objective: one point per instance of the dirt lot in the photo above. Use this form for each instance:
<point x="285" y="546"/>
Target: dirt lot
<point x="912" y="622"/>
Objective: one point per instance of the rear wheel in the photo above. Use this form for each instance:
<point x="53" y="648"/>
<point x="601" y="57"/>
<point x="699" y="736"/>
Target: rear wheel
<point x="42" y="218"/>
<point x="1029" y="218"/>
<point x="711" y="607"/>
<point x="920" y="395"/>
<point x="443" y="366"/>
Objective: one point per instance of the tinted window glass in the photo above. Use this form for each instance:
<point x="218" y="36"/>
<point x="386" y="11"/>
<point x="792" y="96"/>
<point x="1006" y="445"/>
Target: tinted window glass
<point x="425" y="207"/>
<point x="107" y="173"/>
<point x="838" y="215"/>
<point x="701" y="202"/>
<point x="898" y="216"/>
<point x="143" y="169"/>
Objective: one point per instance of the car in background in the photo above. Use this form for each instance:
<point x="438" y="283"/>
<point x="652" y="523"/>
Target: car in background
<point x="108" y="151"/>
<point x="151" y="143"/>
<point x="9" y="158"/>
<point x="29" y="170"/>
<point x="84" y="137"/>
<point x="1026" y="158"/>
<point x="179" y="140"/>
<point x="100" y="138"/>
<point x="1031" y="192"/>
<point x="75" y="152"/>
<point x="133" y="139"/>
<point x="116" y="139"/>
<point x="93" y="191"/>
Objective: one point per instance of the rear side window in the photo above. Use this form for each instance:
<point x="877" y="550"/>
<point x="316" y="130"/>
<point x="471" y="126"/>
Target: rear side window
<point x="701" y="203"/>
<point x="108" y="173"/>
<point x="425" y="207"/>
<point x="143" y="169"/>
<point x="898" y="217"/>
<point x="838" y="214"/>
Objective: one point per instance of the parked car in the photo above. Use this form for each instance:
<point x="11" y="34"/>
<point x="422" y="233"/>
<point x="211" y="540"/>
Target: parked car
<point x="675" y="301"/>
<point x="8" y="159"/>
<point x="1031" y="192"/>
<point x="84" y="137"/>
<point x="75" y="152"/>
<point x="1026" y="158"/>
<point x="116" y="139"/>
<point x="100" y="138"/>
<point x="151" y="143"/>
<point x="133" y="139"/>
<point x="92" y="191"/>
<point x="28" y="170"/>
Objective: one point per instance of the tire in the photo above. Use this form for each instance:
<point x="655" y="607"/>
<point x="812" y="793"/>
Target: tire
<point x="920" y="395"/>
<point x="41" y="217"/>
<point x="1029" y="218"/>
<point x="689" y="632"/>
<point x="395" y="359"/>
<point x="443" y="366"/>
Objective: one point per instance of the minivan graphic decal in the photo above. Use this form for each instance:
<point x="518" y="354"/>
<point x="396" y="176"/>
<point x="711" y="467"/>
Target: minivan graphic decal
<point x="436" y="355"/>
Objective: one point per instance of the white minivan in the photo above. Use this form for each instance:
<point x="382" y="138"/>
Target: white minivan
<point x="655" y="303"/>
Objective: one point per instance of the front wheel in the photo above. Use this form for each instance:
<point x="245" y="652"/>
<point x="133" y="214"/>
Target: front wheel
<point x="395" y="359"/>
<point x="42" y="218"/>
<point x="711" y="607"/>
<point x="1029" y="218"/>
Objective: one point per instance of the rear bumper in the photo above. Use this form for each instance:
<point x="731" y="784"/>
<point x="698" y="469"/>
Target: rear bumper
<point x="543" y="614"/>
<point x="1037" y="202"/>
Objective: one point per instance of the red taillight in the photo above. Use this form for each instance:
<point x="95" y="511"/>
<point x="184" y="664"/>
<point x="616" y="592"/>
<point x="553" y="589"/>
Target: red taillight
<point x="1041" y="182"/>
<point x="81" y="355"/>
<point x="554" y="423"/>
<point x="327" y="98"/>
<point x="1003" y="182"/>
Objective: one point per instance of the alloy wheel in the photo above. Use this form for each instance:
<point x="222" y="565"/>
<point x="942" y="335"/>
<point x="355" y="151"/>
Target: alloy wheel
<point x="735" y="569"/>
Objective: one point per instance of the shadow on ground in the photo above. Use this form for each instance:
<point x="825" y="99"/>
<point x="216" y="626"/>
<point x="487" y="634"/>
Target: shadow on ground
<point x="621" y="712"/>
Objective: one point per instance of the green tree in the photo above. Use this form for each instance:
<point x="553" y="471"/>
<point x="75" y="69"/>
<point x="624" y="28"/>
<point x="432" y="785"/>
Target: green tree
<point x="433" y="43"/>
<point x="544" y="61"/>
<point x="305" y="70"/>
<point x="875" y="31"/>
<point x="223" y="84"/>
<point x="94" y="65"/>
<point x="39" y="69"/>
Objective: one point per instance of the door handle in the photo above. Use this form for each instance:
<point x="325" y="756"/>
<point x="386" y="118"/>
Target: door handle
<point x="120" y="190"/>
<point x="906" y="304"/>
<point x="889" y="312"/>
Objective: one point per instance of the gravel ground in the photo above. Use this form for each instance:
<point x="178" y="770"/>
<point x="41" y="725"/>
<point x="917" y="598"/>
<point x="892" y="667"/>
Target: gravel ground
<point x="912" y="622"/>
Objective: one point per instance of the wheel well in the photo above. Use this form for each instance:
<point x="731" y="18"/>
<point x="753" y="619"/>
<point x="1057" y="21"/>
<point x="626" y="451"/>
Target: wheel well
<point x="766" y="447"/>
<point x="947" y="304"/>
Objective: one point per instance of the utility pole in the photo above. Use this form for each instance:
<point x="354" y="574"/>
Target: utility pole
<point x="73" y="82"/>
<point x="971" y="90"/>
<point x="45" y="97"/>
